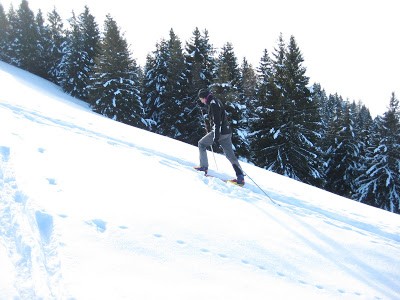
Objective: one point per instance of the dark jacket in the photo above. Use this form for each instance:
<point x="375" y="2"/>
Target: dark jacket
<point x="218" y="119"/>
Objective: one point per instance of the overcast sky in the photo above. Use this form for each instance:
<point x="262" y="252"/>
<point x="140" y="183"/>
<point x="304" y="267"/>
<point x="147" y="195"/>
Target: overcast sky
<point x="350" y="47"/>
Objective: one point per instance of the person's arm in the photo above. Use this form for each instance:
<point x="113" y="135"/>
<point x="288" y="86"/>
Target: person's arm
<point x="216" y="112"/>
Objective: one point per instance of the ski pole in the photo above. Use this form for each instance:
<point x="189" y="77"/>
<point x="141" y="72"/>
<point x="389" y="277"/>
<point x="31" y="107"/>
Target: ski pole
<point x="215" y="161"/>
<point x="265" y="193"/>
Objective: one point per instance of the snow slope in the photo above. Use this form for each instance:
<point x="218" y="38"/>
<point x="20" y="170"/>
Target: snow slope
<point x="94" y="209"/>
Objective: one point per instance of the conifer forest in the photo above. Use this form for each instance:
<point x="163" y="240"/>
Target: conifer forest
<point x="281" y="121"/>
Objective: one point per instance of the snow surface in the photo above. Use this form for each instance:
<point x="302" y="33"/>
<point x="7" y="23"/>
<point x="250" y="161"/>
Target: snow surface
<point x="95" y="209"/>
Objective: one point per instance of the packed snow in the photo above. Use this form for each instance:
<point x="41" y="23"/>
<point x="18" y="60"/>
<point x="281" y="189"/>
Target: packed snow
<point x="94" y="209"/>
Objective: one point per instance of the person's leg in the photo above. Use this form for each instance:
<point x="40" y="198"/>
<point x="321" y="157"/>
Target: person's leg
<point x="205" y="142"/>
<point x="226" y="143"/>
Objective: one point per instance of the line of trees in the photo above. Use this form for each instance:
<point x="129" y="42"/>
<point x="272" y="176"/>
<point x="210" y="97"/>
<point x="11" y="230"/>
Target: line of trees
<point x="281" y="122"/>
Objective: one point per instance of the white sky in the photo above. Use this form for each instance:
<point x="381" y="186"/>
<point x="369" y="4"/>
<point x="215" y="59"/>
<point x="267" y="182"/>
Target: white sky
<point x="351" y="47"/>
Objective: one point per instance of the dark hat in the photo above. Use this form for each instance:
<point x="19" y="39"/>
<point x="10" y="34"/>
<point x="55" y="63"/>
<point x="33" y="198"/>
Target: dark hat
<point x="203" y="93"/>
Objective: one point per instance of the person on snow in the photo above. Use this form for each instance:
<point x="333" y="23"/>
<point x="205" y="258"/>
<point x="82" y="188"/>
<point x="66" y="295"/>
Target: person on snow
<point x="221" y="134"/>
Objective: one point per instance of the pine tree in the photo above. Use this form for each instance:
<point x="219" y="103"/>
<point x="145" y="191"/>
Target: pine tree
<point x="178" y="88"/>
<point x="264" y="76"/>
<point x="249" y="84"/>
<point x="363" y="123"/>
<point x="380" y="184"/>
<point x="331" y="109"/>
<point x="24" y="38"/>
<point x="260" y="120"/>
<point x="12" y="25"/>
<point x="320" y="99"/>
<point x="200" y="61"/>
<point x="305" y="120"/>
<point x="155" y="82"/>
<point x="79" y="55"/>
<point x="364" y="128"/>
<point x="291" y="143"/>
<point x="343" y="155"/>
<point x="115" y="84"/>
<point x="270" y="144"/>
<point x="73" y="58"/>
<point x="44" y="45"/>
<point x="319" y="96"/>
<point x="55" y="29"/>
<point x="165" y="88"/>
<point x="149" y="92"/>
<point x="4" y="36"/>
<point x="249" y="94"/>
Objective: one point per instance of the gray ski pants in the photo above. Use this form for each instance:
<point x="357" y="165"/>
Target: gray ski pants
<point x="225" y="140"/>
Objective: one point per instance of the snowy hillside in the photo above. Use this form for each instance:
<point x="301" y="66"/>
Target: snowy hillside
<point x="94" y="209"/>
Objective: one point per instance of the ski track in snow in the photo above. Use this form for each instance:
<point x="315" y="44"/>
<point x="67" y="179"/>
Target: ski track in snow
<point x="28" y="235"/>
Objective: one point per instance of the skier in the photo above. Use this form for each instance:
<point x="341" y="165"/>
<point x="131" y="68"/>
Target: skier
<point x="221" y="134"/>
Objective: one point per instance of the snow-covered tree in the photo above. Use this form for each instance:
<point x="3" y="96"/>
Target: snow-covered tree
<point x="79" y="54"/>
<point x="44" y="45"/>
<point x="24" y="38"/>
<point x="55" y="29"/>
<point x="154" y="85"/>
<point x="200" y="61"/>
<point x="4" y="36"/>
<point x="248" y="84"/>
<point x="290" y="145"/>
<point x="343" y="154"/>
<point x="115" y="88"/>
<point x="165" y="87"/>
<point x="379" y="185"/>
<point x="259" y="116"/>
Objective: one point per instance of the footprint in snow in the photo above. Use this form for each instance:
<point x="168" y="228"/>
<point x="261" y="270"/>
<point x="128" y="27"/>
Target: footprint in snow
<point x="52" y="181"/>
<point x="100" y="225"/>
<point x="4" y="153"/>
<point x="302" y="282"/>
<point x="20" y="197"/>
<point x="45" y="225"/>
